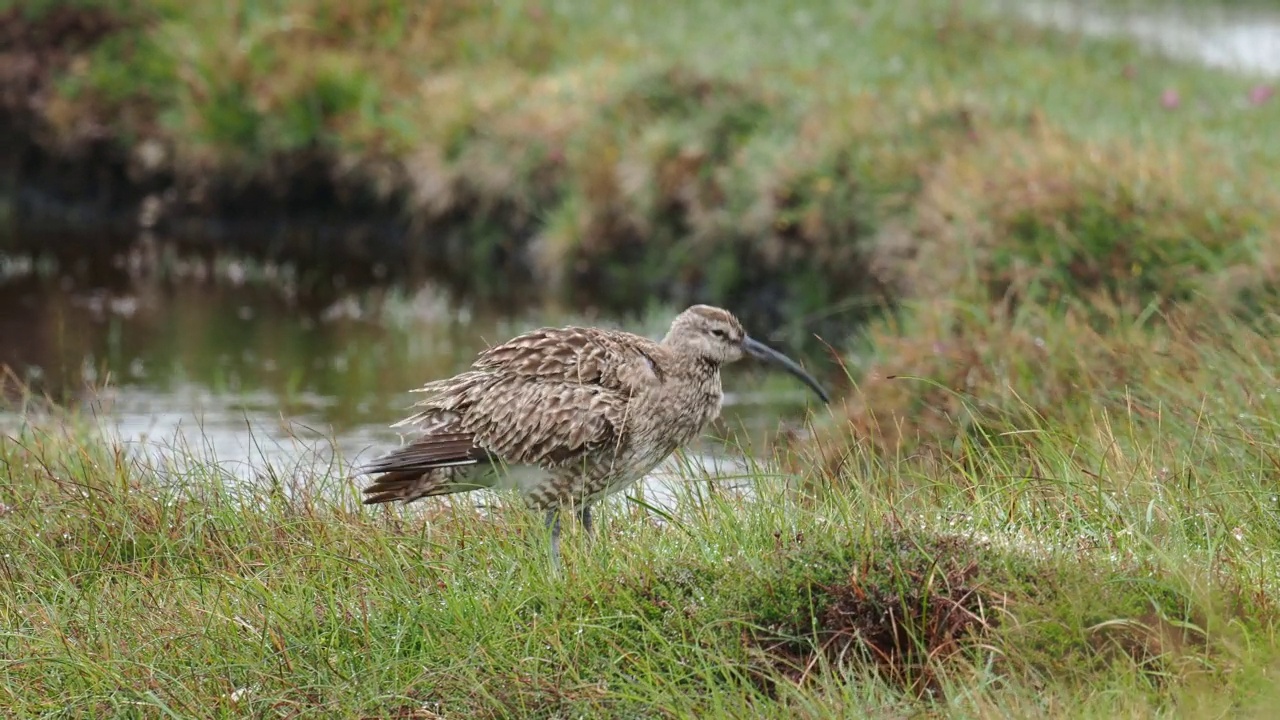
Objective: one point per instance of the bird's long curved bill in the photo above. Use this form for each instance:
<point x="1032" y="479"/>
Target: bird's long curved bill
<point x="764" y="352"/>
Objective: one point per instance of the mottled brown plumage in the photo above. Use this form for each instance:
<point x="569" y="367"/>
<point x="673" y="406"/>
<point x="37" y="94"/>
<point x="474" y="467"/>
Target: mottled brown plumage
<point x="593" y="409"/>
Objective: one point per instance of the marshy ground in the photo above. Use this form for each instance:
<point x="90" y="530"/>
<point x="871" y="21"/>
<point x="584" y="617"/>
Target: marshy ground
<point x="1047" y="267"/>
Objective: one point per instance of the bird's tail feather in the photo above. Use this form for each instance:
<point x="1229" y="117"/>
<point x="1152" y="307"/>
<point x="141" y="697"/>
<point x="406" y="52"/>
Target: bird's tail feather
<point x="409" y="485"/>
<point x="433" y="465"/>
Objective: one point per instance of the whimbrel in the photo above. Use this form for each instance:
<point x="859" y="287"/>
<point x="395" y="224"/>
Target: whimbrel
<point x="595" y="410"/>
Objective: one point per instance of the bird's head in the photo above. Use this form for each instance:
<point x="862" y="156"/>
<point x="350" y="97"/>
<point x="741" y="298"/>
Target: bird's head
<point x="714" y="335"/>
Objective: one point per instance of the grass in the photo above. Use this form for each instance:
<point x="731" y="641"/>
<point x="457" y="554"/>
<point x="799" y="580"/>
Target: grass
<point x="1106" y="551"/>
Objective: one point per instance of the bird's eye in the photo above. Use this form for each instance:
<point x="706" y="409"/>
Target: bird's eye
<point x="720" y="334"/>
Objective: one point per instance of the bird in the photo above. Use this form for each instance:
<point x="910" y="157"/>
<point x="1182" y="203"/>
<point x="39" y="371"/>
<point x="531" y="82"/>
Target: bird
<point x="592" y="410"/>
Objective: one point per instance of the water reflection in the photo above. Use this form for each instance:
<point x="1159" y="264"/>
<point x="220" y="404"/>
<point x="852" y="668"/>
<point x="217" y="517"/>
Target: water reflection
<point x="251" y="378"/>
<point x="1243" y="38"/>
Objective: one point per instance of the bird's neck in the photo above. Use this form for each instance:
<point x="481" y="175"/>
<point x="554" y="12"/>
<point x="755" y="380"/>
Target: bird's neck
<point x="706" y="366"/>
<point x="686" y="356"/>
<point x="697" y="364"/>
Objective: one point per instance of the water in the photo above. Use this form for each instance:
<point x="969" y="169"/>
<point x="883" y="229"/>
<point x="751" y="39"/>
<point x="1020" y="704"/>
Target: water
<point x="247" y="375"/>
<point x="1240" y="38"/>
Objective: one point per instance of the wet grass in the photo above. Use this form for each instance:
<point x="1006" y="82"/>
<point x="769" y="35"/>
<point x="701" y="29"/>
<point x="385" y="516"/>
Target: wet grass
<point x="1082" y="547"/>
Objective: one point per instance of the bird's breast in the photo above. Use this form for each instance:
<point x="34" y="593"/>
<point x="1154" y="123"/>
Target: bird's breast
<point x="680" y="409"/>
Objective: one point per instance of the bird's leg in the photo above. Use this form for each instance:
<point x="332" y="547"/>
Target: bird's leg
<point x="553" y="522"/>
<point x="584" y="515"/>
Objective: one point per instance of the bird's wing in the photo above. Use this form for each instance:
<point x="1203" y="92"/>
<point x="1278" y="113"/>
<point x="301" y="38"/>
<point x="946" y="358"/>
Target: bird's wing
<point x="514" y="420"/>
<point x="547" y="422"/>
<point x="558" y="395"/>
<point x="584" y="356"/>
<point x="548" y="397"/>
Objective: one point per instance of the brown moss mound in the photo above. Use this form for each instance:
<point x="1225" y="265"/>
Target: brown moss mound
<point x="904" y="613"/>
